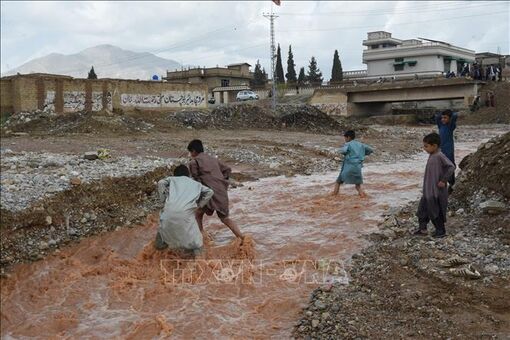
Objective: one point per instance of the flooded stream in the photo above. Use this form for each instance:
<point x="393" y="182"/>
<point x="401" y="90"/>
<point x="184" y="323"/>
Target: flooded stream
<point x="116" y="286"/>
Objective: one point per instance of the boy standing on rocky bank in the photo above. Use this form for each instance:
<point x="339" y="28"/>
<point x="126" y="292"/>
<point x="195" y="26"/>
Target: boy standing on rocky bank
<point x="434" y="201"/>
<point x="446" y="123"/>
<point x="214" y="174"/>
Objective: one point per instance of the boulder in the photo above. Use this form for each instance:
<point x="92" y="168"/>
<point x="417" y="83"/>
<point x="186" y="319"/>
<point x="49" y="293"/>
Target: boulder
<point x="493" y="207"/>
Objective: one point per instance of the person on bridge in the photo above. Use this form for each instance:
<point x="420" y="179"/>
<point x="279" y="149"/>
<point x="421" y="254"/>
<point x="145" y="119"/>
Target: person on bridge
<point x="354" y="154"/>
<point x="182" y="196"/>
<point x="446" y="123"/>
<point x="434" y="200"/>
<point x="213" y="173"/>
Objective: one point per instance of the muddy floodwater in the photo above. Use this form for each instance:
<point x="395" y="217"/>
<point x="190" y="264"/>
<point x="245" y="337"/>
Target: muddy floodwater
<point x="116" y="286"/>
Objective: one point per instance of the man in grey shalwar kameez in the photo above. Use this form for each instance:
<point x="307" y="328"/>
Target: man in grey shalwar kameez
<point x="434" y="201"/>
<point x="182" y="196"/>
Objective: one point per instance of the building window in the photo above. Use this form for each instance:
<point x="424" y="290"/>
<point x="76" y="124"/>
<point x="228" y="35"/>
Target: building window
<point x="225" y="83"/>
<point x="399" y="67"/>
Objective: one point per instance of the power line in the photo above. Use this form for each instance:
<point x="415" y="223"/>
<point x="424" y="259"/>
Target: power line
<point x="390" y="11"/>
<point x="395" y="24"/>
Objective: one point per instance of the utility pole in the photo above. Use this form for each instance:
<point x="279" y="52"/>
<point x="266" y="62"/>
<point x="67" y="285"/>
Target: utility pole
<point x="271" y="16"/>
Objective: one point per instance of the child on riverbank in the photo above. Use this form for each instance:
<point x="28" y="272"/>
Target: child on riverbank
<point x="178" y="227"/>
<point x="354" y="154"/>
<point x="434" y="201"/>
<point x="214" y="174"/>
<point x="446" y="123"/>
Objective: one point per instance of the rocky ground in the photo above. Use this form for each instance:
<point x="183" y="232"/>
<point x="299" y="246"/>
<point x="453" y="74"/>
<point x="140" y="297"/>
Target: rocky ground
<point x="405" y="286"/>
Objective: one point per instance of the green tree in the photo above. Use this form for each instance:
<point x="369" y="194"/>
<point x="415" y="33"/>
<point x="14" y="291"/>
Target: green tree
<point x="259" y="76"/>
<point x="336" y="72"/>
<point x="280" y="79"/>
<point x="314" y="75"/>
<point x="291" y="71"/>
<point x="92" y="74"/>
<point x="301" y="78"/>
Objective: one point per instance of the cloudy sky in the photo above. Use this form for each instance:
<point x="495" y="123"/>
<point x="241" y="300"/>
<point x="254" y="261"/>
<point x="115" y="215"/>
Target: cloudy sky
<point x="213" y="33"/>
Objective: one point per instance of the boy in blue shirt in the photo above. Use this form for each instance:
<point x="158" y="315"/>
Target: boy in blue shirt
<point x="354" y="154"/>
<point x="446" y="123"/>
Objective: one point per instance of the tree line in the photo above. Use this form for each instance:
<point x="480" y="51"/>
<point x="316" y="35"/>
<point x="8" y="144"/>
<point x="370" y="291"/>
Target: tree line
<point x="313" y="76"/>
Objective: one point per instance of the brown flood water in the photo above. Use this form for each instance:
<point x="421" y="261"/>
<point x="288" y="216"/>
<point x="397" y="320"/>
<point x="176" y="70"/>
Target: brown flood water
<point x="116" y="286"/>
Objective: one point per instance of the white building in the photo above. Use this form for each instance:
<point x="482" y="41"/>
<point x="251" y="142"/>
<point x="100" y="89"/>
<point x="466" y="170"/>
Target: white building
<point x="386" y="56"/>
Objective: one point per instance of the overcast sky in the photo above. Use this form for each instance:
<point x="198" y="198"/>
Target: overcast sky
<point x="214" y="33"/>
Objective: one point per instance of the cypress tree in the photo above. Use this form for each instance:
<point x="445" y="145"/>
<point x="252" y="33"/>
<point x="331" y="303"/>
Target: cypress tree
<point x="291" y="71"/>
<point x="280" y="79"/>
<point x="301" y="78"/>
<point x="259" y="78"/>
<point x="314" y="75"/>
<point x="336" y="71"/>
<point x="92" y="74"/>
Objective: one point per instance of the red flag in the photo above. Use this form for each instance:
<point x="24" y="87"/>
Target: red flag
<point x="277" y="2"/>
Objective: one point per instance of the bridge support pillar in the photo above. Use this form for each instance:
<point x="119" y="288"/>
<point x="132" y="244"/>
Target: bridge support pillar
<point x="368" y="109"/>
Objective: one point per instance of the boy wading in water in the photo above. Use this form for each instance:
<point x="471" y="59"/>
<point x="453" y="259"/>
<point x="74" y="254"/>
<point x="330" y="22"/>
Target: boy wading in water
<point x="178" y="228"/>
<point x="214" y="174"/>
<point x="446" y="123"/>
<point x="354" y="154"/>
<point x="434" y="202"/>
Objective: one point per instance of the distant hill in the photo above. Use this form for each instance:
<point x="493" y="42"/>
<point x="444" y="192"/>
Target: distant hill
<point x="108" y="61"/>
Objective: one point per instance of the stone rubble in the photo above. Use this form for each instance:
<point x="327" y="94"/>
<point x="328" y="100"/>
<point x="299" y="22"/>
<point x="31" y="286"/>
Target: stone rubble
<point x="27" y="177"/>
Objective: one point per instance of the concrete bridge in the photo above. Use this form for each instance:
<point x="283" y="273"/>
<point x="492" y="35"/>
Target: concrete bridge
<point x="377" y="98"/>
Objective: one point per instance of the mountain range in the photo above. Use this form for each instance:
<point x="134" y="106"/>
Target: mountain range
<point x="109" y="62"/>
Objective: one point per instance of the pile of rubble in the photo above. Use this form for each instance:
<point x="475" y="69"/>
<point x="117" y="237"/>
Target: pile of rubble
<point x="247" y="116"/>
<point x="28" y="177"/>
<point x="40" y="122"/>
<point x="307" y="117"/>
<point x="493" y="160"/>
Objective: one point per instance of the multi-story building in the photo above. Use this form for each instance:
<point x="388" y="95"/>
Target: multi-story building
<point x="232" y="75"/>
<point x="386" y="56"/>
<point x="222" y="83"/>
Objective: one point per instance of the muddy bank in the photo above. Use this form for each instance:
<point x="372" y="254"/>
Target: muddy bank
<point x="404" y="286"/>
<point x="82" y="210"/>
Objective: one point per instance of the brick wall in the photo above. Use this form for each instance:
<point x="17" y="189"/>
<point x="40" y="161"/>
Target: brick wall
<point x="53" y="93"/>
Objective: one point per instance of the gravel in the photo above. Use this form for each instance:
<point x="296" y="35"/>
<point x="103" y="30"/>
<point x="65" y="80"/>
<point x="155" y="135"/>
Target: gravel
<point x="27" y="177"/>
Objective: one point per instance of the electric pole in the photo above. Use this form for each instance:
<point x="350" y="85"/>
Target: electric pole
<point x="271" y="18"/>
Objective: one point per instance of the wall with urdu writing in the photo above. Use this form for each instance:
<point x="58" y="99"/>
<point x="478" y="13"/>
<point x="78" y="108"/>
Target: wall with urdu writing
<point x="61" y="94"/>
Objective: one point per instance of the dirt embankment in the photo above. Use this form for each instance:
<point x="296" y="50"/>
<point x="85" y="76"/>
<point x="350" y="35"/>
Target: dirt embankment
<point x="406" y="286"/>
<point x="499" y="114"/>
<point x="82" y="210"/>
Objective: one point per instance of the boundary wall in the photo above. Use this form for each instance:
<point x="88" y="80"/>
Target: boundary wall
<point x="62" y="94"/>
